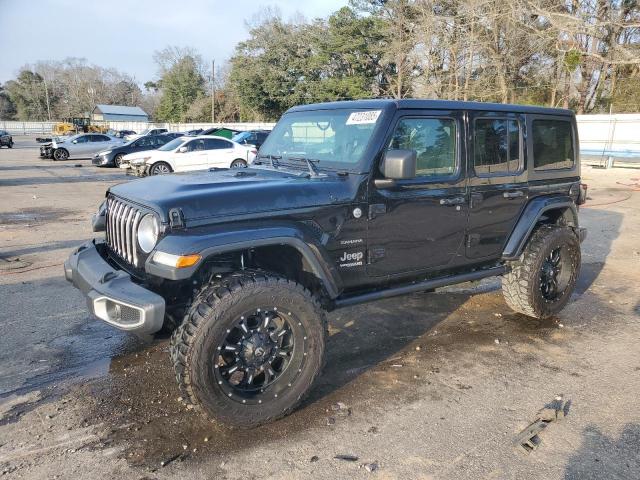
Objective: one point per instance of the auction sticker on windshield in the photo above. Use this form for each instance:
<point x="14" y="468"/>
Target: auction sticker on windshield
<point x="359" y="118"/>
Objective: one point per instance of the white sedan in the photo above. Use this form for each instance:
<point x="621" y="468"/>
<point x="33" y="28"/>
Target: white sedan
<point x="186" y="154"/>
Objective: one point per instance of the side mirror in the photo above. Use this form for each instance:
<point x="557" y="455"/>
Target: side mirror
<point x="182" y="149"/>
<point x="75" y="141"/>
<point x="397" y="165"/>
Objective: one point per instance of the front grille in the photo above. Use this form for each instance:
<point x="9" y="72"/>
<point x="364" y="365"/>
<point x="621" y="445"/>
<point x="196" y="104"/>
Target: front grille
<point x="122" y="229"/>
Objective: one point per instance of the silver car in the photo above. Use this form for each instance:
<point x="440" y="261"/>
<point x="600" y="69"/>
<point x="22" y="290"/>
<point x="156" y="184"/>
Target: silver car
<point x="83" y="145"/>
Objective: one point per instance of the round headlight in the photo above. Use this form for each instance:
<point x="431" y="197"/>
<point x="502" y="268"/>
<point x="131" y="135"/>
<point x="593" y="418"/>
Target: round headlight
<point x="148" y="232"/>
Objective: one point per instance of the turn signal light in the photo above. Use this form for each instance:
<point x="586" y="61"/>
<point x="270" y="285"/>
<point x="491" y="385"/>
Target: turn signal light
<point x="176" y="261"/>
<point x="187" y="260"/>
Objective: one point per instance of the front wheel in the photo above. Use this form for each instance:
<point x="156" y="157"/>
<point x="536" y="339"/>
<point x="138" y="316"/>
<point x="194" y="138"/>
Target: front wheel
<point x="239" y="163"/>
<point x="117" y="161"/>
<point x="542" y="280"/>
<point x="60" y="154"/>
<point x="249" y="349"/>
<point x="160" y="168"/>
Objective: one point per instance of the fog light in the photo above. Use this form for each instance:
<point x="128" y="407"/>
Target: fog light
<point x="114" y="311"/>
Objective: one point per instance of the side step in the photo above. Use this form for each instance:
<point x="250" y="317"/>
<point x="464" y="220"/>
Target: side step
<point x="420" y="286"/>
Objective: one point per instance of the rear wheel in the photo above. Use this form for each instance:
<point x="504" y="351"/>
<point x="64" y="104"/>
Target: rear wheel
<point x="60" y="154"/>
<point x="239" y="163"/>
<point x="249" y="348"/>
<point x="118" y="160"/>
<point x="542" y="280"/>
<point x="160" y="168"/>
<point x="11" y="144"/>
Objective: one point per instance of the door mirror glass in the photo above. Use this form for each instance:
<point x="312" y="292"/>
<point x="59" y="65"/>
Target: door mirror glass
<point x="182" y="149"/>
<point x="399" y="164"/>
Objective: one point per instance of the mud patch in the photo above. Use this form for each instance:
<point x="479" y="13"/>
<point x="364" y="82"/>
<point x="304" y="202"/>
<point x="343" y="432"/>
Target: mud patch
<point x="33" y="216"/>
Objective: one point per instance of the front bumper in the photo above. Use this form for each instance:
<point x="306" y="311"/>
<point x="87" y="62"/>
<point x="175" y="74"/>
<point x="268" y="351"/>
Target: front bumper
<point x="46" y="151"/>
<point x="102" y="160"/>
<point x="111" y="294"/>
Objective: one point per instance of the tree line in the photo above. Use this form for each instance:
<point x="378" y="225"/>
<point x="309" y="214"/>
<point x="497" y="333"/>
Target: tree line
<point x="578" y="54"/>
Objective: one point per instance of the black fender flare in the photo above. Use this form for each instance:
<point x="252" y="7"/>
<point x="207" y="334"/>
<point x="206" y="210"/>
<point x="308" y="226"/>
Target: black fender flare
<point x="531" y="214"/>
<point x="224" y="238"/>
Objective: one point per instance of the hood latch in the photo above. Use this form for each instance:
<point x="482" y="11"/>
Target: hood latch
<point x="176" y="219"/>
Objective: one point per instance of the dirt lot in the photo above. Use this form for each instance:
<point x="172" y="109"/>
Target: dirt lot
<point x="426" y="386"/>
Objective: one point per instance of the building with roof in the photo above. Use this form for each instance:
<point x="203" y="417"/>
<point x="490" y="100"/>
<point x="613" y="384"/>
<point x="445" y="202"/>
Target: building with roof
<point x="118" y="113"/>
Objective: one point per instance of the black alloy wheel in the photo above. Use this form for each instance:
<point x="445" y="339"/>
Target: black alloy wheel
<point x="262" y="354"/>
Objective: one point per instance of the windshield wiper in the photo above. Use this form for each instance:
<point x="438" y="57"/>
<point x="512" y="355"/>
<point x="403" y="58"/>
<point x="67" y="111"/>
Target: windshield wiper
<point x="274" y="159"/>
<point x="313" y="170"/>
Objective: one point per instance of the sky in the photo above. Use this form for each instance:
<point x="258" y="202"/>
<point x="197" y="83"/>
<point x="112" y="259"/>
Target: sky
<point x="124" y="34"/>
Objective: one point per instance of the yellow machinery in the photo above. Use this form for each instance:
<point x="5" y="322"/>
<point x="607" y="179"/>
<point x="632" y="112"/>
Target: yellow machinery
<point x="75" y="125"/>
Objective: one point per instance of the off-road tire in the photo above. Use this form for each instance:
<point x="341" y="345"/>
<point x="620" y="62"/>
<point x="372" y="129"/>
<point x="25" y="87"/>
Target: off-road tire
<point x="155" y="168"/>
<point x="193" y="345"/>
<point x="60" y="154"/>
<point x="521" y="286"/>
<point x="117" y="160"/>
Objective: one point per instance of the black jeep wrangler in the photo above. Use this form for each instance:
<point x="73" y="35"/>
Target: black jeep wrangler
<point x="347" y="202"/>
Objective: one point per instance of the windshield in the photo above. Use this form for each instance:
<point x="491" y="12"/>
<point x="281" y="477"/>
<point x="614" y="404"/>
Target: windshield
<point x="172" y="145"/>
<point x="334" y="138"/>
<point x="145" y="131"/>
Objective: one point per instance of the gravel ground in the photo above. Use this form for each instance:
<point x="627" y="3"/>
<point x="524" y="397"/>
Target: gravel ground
<point x="427" y="386"/>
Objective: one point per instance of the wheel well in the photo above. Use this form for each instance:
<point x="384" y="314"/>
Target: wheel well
<point x="285" y="260"/>
<point x="558" y="216"/>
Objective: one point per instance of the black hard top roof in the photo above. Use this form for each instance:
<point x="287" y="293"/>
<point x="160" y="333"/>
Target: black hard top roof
<point x="416" y="103"/>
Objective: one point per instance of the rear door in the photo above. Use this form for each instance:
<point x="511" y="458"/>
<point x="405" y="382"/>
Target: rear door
<point x="498" y="186"/>
<point x="419" y="224"/>
<point x="220" y="153"/>
<point x="98" y="143"/>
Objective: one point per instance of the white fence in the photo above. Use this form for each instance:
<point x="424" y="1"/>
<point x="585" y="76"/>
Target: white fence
<point x="45" y="128"/>
<point x="615" y="135"/>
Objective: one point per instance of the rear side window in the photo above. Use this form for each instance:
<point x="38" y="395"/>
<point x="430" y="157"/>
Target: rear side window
<point x="434" y="140"/>
<point x="496" y="147"/>
<point x="217" y="144"/>
<point x="552" y="145"/>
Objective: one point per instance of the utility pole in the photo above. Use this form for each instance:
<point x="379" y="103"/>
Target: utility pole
<point x="213" y="91"/>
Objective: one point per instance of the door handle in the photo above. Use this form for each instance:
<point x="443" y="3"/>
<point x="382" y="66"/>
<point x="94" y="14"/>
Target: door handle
<point x="452" y="201"/>
<point x="516" y="194"/>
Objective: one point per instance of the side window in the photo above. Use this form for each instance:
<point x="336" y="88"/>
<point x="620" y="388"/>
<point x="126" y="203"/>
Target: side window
<point x="83" y="139"/>
<point x="145" y="142"/>
<point x="217" y="144"/>
<point x="552" y="144"/>
<point x="196" y="145"/>
<point x="434" y="140"/>
<point x="496" y="146"/>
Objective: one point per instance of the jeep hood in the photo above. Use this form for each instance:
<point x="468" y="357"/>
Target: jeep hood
<point x="238" y="192"/>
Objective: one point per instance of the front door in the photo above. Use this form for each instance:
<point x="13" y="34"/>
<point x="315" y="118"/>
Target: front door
<point x="419" y="224"/>
<point x="194" y="158"/>
<point x="497" y="181"/>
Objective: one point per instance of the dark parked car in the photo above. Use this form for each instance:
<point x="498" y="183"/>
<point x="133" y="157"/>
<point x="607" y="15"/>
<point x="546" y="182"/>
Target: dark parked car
<point x="113" y="156"/>
<point x="172" y="135"/>
<point x="347" y="203"/>
<point x="6" y="139"/>
<point x="251" y="137"/>
<point x="193" y="133"/>
<point x="123" y="133"/>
